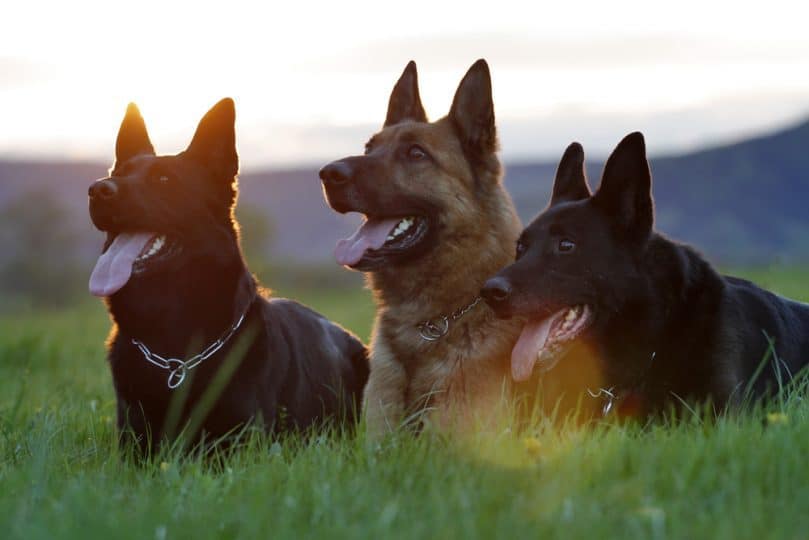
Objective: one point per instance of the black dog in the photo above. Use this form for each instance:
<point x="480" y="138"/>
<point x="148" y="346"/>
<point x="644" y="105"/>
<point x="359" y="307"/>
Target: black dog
<point x="646" y="320"/>
<point x="194" y="344"/>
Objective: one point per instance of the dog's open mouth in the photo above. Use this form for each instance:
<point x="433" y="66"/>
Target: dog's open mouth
<point x="546" y="341"/>
<point x="130" y="253"/>
<point x="379" y="239"/>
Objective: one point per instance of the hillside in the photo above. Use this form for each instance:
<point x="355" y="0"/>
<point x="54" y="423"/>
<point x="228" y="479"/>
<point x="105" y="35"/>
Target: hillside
<point x="739" y="203"/>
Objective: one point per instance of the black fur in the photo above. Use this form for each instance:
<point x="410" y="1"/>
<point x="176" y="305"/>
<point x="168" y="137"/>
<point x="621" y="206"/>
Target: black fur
<point x="294" y="369"/>
<point x="667" y="328"/>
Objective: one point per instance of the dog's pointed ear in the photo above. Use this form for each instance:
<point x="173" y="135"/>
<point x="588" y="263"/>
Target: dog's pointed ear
<point x="214" y="143"/>
<point x="625" y="193"/>
<point x="133" y="139"/>
<point x="472" y="112"/>
<point x="405" y="101"/>
<point x="571" y="178"/>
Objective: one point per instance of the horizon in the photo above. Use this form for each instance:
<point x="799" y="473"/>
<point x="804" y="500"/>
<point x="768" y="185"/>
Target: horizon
<point x="508" y="161"/>
<point x="308" y="96"/>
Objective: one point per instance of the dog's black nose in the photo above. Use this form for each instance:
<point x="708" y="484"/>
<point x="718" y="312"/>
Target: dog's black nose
<point x="496" y="290"/>
<point x="104" y="189"/>
<point x="336" y="173"/>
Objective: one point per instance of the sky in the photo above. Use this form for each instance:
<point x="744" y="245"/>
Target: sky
<point x="311" y="80"/>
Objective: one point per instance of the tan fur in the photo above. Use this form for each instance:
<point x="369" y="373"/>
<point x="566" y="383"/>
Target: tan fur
<point x="463" y="375"/>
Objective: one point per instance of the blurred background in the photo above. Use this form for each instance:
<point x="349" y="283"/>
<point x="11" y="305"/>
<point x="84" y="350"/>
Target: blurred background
<point x="720" y="89"/>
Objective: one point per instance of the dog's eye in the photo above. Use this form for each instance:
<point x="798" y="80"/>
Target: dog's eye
<point x="416" y="153"/>
<point x="566" y="246"/>
<point x="521" y="249"/>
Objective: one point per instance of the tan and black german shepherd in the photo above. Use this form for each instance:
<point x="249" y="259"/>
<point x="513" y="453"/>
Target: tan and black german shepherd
<point x="438" y="223"/>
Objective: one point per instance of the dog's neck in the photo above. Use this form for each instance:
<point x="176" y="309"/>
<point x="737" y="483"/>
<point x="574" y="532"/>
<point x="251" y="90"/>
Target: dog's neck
<point x="174" y="314"/>
<point x="682" y="288"/>
<point x="452" y="275"/>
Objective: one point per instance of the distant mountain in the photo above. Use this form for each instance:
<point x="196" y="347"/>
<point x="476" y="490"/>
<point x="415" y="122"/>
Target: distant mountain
<point x="746" y="202"/>
<point x="739" y="203"/>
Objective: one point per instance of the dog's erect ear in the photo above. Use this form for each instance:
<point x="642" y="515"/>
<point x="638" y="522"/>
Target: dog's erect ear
<point x="214" y="143"/>
<point x="571" y="178"/>
<point x="133" y="140"/>
<point x="472" y="112"/>
<point x="405" y="101"/>
<point x="625" y="193"/>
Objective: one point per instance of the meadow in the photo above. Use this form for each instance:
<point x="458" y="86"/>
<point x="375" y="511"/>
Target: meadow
<point x="62" y="476"/>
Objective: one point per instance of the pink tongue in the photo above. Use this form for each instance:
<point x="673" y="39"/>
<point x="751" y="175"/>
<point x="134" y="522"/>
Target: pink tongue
<point x="530" y="344"/>
<point x="371" y="235"/>
<point x="114" y="266"/>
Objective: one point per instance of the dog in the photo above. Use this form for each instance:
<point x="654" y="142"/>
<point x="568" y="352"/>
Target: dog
<point x="438" y="223"/>
<point x="638" y="319"/>
<point x="193" y="340"/>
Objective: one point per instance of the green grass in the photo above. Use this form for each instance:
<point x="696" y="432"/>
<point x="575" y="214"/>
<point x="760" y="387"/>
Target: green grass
<point x="61" y="475"/>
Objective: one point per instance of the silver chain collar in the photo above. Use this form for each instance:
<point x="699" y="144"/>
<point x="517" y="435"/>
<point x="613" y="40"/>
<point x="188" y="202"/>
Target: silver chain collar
<point x="435" y="329"/>
<point x="612" y="396"/>
<point x="608" y="395"/>
<point x="178" y="369"/>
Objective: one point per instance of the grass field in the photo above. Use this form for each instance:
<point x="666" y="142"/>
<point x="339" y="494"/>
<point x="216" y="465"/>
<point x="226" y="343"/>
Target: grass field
<point x="61" y="475"/>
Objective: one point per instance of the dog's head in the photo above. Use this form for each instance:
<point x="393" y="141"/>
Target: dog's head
<point x="162" y="213"/>
<point x="419" y="183"/>
<point x="577" y="263"/>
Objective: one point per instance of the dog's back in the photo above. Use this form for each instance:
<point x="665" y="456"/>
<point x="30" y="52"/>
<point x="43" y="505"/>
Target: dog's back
<point x="325" y="367"/>
<point x="769" y="332"/>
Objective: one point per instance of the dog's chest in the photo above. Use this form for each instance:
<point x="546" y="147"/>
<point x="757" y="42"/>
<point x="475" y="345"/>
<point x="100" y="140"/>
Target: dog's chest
<point x="465" y="371"/>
